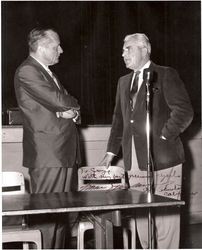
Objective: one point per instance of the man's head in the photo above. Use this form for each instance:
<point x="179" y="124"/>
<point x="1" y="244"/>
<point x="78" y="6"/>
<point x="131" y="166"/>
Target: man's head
<point x="136" y="51"/>
<point x="44" y="45"/>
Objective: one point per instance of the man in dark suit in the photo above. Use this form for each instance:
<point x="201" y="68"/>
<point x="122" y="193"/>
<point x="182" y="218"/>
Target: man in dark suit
<point x="171" y="113"/>
<point x="50" y="138"/>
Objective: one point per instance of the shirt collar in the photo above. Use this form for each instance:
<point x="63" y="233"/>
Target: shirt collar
<point x="43" y="65"/>
<point x="147" y="64"/>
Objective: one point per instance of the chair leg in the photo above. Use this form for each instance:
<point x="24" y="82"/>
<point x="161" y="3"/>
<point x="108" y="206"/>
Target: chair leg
<point x="133" y="233"/>
<point x="80" y="237"/>
<point x="129" y="224"/>
<point x="25" y="246"/>
<point x="38" y="240"/>
<point x="82" y="227"/>
<point x="125" y="238"/>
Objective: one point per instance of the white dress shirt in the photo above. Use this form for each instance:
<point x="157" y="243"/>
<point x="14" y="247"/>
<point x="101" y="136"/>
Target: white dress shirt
<point x="140" y="79"/>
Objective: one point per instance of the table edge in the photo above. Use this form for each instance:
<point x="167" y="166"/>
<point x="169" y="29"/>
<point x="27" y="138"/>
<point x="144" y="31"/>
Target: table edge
<point x="98" y="208"/>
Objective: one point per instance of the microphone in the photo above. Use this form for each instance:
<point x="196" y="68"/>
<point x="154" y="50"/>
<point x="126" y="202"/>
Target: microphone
<point x="147" y="76"/>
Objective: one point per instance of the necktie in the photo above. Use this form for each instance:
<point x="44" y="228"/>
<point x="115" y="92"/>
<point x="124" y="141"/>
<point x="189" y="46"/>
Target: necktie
<point x="133" y="90"/>
<point x="55" y="80"/>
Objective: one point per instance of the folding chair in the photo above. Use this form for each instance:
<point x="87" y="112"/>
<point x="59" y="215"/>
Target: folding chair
<point x="13" y="184"/>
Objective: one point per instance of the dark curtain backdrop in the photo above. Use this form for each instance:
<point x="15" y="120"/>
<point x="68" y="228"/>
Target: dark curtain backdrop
<point x="92" y="36"/>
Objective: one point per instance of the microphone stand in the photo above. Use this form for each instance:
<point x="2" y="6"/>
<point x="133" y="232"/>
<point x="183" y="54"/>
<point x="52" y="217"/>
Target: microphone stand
<point x="149" y="164"/>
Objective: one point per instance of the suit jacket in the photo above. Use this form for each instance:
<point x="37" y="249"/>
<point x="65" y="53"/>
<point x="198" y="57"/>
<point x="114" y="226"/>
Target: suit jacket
<point x="171" y="114"/>
<point x="48" y="141"/>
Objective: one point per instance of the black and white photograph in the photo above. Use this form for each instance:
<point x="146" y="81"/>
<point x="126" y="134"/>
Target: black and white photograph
<point x="101" y="125"/>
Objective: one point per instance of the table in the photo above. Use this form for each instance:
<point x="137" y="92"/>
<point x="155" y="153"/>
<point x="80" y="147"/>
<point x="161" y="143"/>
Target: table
<point x="92" y="201"/>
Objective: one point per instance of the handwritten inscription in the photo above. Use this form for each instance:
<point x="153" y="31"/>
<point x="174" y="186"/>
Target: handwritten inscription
<point x="168" y="184"/>
<point x="192" y="194"/>
<point x="108" y="187"/>
<point x="108" y="174"/>
<point x="101" y="178"/>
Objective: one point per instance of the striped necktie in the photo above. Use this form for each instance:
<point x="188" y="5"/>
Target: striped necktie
<point x="133" y="90"/>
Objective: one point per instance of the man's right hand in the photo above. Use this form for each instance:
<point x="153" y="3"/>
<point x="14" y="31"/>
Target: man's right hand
<point x="69" y="114"/>
<point x="106" y="161"/>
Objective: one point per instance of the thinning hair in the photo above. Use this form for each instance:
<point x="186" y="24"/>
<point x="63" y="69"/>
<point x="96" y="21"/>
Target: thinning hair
<point x="141" y="40"/>
<point x="40" y="36"/>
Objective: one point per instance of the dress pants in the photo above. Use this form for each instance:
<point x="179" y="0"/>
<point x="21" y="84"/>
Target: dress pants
<point x="167" y="182"/>
<point x="53" y="226"/>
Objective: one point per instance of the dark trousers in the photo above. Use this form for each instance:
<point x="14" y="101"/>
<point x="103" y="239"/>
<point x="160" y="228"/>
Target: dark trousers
<point x="53" y="226"/>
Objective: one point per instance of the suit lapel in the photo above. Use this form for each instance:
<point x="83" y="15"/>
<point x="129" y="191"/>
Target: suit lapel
<point x="127" y="85"/>
<point x="45" y="74"/>
<point x="140" y="97"/>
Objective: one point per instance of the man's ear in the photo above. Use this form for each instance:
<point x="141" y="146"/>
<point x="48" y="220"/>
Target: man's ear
<point x="144" y="51"/>
<point x="40" y="48"/>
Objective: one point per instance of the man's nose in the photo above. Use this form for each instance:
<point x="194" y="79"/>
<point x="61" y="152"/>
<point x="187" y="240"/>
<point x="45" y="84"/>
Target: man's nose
<point x="123" y="53"/>
<point x="60" y="50"/>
